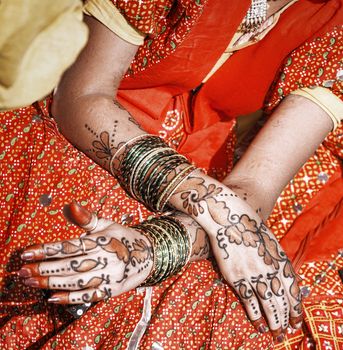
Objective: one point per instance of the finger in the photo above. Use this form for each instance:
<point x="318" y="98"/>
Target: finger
<point x="62" y="249"/>
<point x="64" y="267"/>
<point x="296" y="322"/>
<point x="85" y="280"/>
<point x="270" y="304"/>
<point x="272" y="315"/>
<point x="279" y="290"/>
<point x="253" y="310"/>
<point x="67" y="248"/>
<point x="251" y="305"/>
<point x="79" y="297"/>
<point x="80" y="216"/>
<point x="293" y="292"/>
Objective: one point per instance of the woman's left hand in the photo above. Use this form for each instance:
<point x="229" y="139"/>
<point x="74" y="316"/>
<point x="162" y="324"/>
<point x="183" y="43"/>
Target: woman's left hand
<point x="110" y="260"/>
<point x="248" y="254"/>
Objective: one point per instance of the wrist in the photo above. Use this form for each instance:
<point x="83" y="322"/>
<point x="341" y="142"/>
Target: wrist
<point x="150" y="171"/>
<point x="212" y="204"/>
<point x="200" y="242"/>
<point x="255" y="193"/>
<point x="171" y="247"/>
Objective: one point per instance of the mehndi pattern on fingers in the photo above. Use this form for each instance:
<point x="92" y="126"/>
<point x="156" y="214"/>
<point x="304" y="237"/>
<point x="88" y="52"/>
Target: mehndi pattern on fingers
<point x="201" y="198"/>
<point x="88" y="264"/>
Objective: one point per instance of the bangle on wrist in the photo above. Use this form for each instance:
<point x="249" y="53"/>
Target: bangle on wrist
<point x="171" y="246"/>
<point x="149" y="170"/>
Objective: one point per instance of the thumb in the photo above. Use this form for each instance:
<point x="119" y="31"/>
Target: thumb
<point x="80" y="216"/>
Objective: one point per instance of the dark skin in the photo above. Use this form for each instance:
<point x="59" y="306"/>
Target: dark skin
<point x="89" y="116"/>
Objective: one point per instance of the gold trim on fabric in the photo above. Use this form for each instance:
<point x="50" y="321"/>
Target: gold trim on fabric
<point x="106" y="12"/>
<point x="143" y="323"/>
<point x="325" y="99"/>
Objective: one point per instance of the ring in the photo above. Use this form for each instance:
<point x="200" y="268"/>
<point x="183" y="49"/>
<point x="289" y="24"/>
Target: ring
<point x="98" y="293"/>
<point x="92" y="224"/>
<point x="83" y="246"/>
<point x="101" y="294"/>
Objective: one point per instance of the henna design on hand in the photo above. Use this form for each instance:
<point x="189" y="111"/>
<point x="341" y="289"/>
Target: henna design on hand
<point x="94" y="282"/>
<point x="192" y="199"/>
<point x="269" y="250"/>
<point x="242" y="230"/>
<point x="139" y="253"/>
<point x="97" y="295"/>
<point x="95" y="253"/>
<point x="238" y="229"/>
<point x="243" y="288"/>
<point x="200" y="243"/>
<point x="88" y="264"/>
<point x="64" y="248"/>
<point x="200" y="197"/>
<point x="261" y="287"/>
<point x="131" y="254"/>
<point x="275" y="284"/>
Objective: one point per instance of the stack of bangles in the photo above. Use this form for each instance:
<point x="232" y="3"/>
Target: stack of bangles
<point x="150" y="171"/>
<point x="171" y="247"/>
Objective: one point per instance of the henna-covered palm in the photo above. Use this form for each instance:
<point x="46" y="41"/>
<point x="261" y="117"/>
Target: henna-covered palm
<point x="248" y="254"/>
<point x="108" y="261"/>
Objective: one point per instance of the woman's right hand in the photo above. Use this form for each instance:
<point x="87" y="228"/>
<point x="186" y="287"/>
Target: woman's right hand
<point x="249" y="256"/>
<point x="107" y="261"/>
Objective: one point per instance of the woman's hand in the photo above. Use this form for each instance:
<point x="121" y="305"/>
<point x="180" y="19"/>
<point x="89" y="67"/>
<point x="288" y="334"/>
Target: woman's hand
<point x="248" y="254"/>
<point x="110" y="260"/>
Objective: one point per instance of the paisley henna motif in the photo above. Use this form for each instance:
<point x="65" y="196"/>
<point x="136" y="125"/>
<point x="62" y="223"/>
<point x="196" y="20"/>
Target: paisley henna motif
<point x="244" y="289"/>
<point x="201" y="198"/>
<point x="94" y="282"/>
<point x="261" y="287"/>
<point x="275" y="284"/>
<point x="88" y="264"/>
<point x="243" y="231"/>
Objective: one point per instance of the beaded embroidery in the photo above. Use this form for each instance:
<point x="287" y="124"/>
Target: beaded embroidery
<point x="255" y="16"/>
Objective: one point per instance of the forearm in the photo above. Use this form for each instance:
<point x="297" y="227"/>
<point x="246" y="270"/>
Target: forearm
<point x="84" y="104"/>
<point x="97" y="126"/>
<point x="290" y="137"/>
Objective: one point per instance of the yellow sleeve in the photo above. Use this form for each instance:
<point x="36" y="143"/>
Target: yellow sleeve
<point x="106" y="12"/>
<point x="327" y="100"/>
<point x="36" y="47"/>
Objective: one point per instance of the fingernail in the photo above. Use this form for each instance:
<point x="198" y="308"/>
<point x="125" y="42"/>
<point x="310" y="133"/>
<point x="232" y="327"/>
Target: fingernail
<point x="81" y="215"/>
<point x="54" y="300"/>
<point x="298" y="325"/>
<point x="262" y="328"/>
<point x="27" y="256"/>
<point x="24" y="272"/>
<point x="280" y="338"/>
<point x="31" y="282"/>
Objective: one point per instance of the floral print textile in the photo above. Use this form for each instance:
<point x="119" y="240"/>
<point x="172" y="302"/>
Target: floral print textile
<point x="166" y="23"/>
<point x="196" y="309"/>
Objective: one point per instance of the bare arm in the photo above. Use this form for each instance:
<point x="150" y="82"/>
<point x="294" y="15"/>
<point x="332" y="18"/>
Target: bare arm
<point x="84" y="104"/>
<point x="290" y="137"/>
<point x="89" y="117"/>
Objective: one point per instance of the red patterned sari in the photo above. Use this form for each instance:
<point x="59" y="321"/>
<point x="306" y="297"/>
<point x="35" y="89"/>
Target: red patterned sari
<point x="196" y="309"/>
